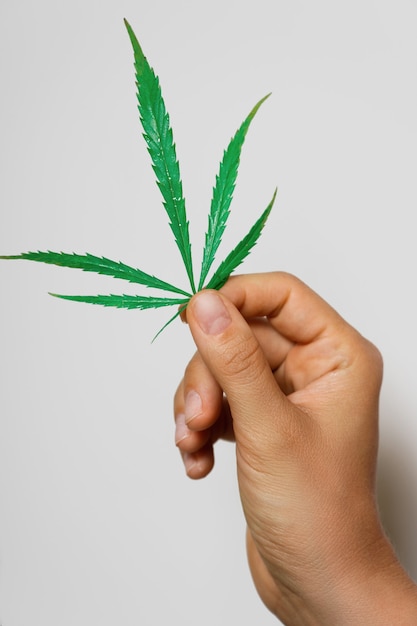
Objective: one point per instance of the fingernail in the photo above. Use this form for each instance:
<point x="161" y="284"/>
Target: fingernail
<point x="181" y="430"/>
<point x="190" y="462"/>
<point x="193" y="406"/>
<point x="212" y="316"/>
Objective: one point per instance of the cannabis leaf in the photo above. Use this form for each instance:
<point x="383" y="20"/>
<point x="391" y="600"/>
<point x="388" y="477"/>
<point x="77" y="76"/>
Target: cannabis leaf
<point x="161" y="147"/>
<point x="238" y="254"/>
<point x="100" y="265"/>
<point x="158" y="136"/>
<point x="223" y="194"/>
<point x="124" y="301"/>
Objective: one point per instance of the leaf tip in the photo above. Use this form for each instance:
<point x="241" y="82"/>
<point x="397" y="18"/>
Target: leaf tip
<point x="133" y="38"/>
<point x="178" y="313"/>
<point x="126" y="23"/>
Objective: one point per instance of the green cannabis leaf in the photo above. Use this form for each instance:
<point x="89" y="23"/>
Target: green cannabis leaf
<point x="161" y="147"/>
<point x="223" y="194"/>
<point x="158" y="136"/>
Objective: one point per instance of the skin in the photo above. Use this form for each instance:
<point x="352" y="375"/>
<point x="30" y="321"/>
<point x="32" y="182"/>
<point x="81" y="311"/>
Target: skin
<point x="279" y="372"/>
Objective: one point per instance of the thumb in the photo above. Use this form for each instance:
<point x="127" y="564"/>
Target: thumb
<point x="233" y="355"/>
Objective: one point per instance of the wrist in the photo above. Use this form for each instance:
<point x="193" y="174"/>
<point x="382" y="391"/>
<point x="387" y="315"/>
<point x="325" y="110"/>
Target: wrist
<point x="386" y="596"/>
<point x="376" y="592"/>
<point x="360" y="583"/>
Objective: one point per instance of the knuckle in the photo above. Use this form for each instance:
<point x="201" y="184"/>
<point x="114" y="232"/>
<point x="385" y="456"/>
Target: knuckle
<point x="241" y="359"/>
<point x="375" y="356"/>
<point x="179" y="399"/>
<point x="372" y="359"/>
<point x="192" y="368"/>
<point x="375" y="362"/>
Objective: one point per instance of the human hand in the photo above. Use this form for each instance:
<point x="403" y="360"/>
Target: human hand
<point x="297" y="387"/>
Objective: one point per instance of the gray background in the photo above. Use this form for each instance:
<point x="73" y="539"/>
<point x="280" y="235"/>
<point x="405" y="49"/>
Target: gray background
<point x="98" y="523"/>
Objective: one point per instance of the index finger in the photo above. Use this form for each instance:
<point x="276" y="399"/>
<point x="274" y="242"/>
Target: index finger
<point x="292" y="308"/>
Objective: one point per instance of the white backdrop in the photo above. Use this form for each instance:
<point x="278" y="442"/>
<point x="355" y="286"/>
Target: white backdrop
<point x="98" y="523"/>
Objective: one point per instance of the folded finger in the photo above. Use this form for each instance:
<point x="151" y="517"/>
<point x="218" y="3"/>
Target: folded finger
<point x="294" y="310"/>
<point x="199" y="397"/>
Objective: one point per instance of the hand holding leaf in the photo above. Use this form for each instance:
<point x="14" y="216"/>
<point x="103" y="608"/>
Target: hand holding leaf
<point x="161" y="147"/>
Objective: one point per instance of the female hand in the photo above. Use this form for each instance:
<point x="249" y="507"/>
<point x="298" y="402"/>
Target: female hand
<point x="297" y="388"/>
